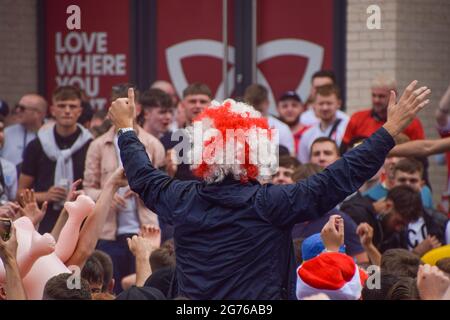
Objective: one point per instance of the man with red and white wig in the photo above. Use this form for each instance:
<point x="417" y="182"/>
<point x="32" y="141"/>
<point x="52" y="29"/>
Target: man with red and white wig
<point x="232" y="234"/>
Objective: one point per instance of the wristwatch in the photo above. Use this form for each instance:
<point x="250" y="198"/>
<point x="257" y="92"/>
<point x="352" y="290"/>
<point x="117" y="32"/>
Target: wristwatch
<point x="123" y="130"/>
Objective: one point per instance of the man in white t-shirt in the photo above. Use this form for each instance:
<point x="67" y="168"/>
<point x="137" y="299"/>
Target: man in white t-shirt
<point x="327" y="103"/>
<point x="320" y="78"/>
<point x="257" y="96"/>
<point x="31" y="111"/>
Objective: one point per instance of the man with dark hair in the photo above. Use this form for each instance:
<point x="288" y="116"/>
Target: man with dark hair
<point x="162" y="257"/>
<point x="401" y="171"/>
<point x="400" y="262"/>
<point x="93" y="273"/>
<point x="286" y="168"/>
<point x="318" y="79"/>
<point x="290" y="108"/>
<point x="257" y="96"/>
<point x="230" y="230"/>
<point x="428" y="231"/>
<point x="57" y="288"/>
<point x="444" y="265"/>
<point x="326" y="104"/>
<point x="108" y="269"/>
<point x="324" y="151"/>
<point x="56" y="158"/>
<point x="404" y="289"/>
<point x="157" y="115"/>
<point x="196" y="97"/>
<point x="387" y="217"/>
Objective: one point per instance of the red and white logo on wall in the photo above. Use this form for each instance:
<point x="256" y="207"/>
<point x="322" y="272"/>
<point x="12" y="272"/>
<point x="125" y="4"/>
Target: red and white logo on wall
<point x="94" y="58"/>
<point x="294" y="39"/>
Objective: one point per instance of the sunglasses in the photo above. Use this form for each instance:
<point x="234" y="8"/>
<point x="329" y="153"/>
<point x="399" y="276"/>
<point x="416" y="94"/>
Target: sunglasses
<point x="22" y="108"/>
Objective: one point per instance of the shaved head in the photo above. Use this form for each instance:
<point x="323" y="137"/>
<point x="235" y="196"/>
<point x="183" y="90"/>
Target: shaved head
<point x="36" y="101"/>
<point x="32" y="111"/>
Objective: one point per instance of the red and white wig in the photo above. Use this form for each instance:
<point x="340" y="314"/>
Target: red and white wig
<point x="232" y="139"/>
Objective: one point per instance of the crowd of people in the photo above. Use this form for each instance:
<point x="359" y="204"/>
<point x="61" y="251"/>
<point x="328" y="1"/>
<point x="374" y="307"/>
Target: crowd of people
<point x="389" y="230"/>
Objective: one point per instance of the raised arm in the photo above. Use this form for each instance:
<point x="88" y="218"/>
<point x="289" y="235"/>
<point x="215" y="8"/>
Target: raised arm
<point x="158" y="191"/>
<point x="92" y="227"/>
<point x="421" y="148"/>
<point x="313" y="197"/>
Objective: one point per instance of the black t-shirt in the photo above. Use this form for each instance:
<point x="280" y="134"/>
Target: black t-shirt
<point x="37" y="165"/>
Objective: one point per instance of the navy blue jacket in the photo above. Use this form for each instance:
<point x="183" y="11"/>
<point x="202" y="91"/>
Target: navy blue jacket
<point x="233" y="240"/>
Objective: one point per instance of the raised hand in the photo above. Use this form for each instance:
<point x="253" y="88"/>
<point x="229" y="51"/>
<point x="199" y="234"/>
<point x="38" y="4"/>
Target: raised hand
<point x="123" y="111"/>
<point x="152" y="233"/>
<point x="29" y="207"/>
<point x="332" y="233"/>
<point x="73" y="192"/>
<point x="141" y="247"/>
<point x="402" y="113"/>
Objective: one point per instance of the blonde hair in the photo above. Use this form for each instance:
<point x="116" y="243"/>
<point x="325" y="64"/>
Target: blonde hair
<point x="384" y="80"/>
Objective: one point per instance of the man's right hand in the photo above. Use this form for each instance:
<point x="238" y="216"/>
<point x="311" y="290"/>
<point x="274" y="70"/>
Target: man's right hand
<point x="402" y="113"/>
<point x="56" y="194"/>
<point x="332" y="233"/>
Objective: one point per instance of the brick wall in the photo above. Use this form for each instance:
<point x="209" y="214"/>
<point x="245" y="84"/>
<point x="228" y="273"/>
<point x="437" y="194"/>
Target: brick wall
<point x="414" y="43"/>
<point x="18" y="49"/>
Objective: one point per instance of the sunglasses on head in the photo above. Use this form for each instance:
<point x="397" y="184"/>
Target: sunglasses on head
<point x="22" y="108"/>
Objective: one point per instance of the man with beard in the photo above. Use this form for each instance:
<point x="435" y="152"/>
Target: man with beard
<point x="388" y="217"/>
